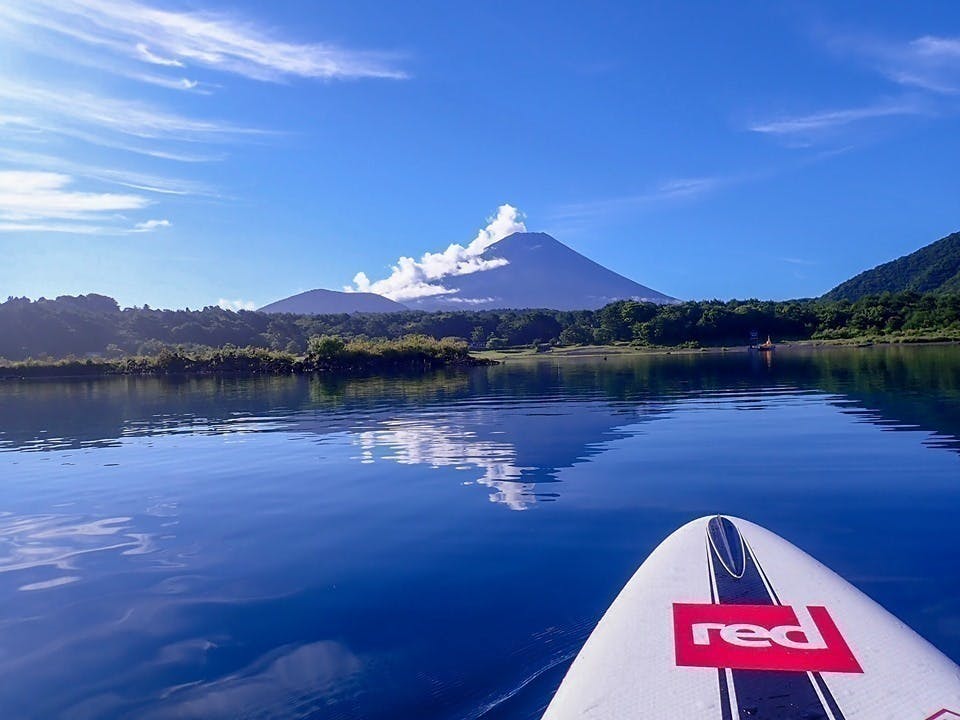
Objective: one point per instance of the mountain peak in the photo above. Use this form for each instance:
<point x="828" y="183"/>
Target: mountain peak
<point x="525" y="239"/>
<point x="540" y="272"/>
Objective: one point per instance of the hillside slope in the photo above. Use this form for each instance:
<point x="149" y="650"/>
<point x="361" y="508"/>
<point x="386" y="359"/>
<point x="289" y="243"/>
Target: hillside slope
<point x="934" y="268"/>
<point x="332" y="302"/>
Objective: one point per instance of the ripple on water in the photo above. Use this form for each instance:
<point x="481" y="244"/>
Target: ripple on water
<point x="35" y="545"/>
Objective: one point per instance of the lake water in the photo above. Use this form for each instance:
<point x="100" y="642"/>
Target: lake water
<point x="436" y="547"/>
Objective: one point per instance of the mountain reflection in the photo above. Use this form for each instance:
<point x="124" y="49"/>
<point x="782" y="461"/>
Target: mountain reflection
<point x="510" y="428"/>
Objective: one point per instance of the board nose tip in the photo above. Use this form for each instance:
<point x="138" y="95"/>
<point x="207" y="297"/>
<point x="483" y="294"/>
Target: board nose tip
<point x="727" y="544"/>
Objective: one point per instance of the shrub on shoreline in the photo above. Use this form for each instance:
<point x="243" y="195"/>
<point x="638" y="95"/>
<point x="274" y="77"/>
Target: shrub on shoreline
<point x="324" y="354"/>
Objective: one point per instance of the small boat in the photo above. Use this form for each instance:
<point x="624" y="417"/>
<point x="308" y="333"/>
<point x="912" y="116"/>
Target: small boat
<point x="767" y="346"/>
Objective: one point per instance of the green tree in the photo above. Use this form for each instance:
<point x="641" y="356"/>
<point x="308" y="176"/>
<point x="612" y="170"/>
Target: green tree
<point x="325" y="347"/>
<point x="478" y="336"/>
<point x="576" y="335"/>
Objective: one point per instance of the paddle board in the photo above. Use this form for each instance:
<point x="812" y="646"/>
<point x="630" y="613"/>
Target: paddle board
<point x="728" y="621"/>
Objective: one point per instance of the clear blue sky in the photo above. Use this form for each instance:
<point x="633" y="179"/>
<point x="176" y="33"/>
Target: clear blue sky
<point x="184" y="153"/>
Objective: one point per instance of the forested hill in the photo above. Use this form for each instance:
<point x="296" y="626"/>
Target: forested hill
<point x="93" y="325"/>
<point x="934" y="268"/>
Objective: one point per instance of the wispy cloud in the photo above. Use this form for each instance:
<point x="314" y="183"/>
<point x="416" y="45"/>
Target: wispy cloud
<point x="151" y="225"/>
<point x="826" y="119"/>
<point x="76" y="54"/>
<point x="60" y="227"/>
<point x="37" y="112"/>
<point x="177" y="40"/>
<point x="124" y="178"/>
<point x="930" y="63"/>
<point x="193" y="52"/>
<point x="31" y="195"/>
<point x="412" y="278"/>
<point x="150" y="57"/>
<point x="128" y="117"/>
<point x="926" y="69"/>
<point x="236" y="305"/>
<point x="45" y="202"/>
<point x="666" y="191"/>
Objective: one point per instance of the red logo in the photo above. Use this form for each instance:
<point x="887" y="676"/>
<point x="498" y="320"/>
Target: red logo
<point x="760" y="637"/>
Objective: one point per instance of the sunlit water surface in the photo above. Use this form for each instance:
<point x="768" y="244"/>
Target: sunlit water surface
<point x="439" y="546"/>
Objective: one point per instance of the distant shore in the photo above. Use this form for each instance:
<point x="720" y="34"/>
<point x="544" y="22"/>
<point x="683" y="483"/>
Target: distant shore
<point x="384" y="358"/>
<point x="627" y="349"/>
<point x="78" y="328"/>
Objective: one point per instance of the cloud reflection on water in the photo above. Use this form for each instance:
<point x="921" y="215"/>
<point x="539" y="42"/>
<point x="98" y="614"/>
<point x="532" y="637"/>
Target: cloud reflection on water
<point x="438" y="444"/>
<point x="283" y="683"/>
<point x="58" y="542"/>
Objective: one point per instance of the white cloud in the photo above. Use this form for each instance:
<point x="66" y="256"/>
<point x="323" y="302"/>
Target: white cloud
<point x="165" y="38"/>
<point x="471" y="301"/>
<point x="422" y="278"/>
<point x="825" y="120"/>
<point x="156" y="59"/>
<point x="33" y="195"/>
<point x="151" y="225"/>
<point x="236" y="305"/>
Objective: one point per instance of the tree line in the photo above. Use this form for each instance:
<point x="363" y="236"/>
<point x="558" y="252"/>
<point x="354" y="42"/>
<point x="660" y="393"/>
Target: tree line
<point x="94" y="325"/>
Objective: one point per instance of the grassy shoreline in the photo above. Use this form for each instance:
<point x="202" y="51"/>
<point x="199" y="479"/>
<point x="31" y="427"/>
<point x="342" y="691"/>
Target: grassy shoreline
<point x="325" y="354"/>
<point x="412" y="353"/>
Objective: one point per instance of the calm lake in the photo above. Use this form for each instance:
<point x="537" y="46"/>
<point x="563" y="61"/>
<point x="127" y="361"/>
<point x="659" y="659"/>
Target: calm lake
<point x="436" y="547"/>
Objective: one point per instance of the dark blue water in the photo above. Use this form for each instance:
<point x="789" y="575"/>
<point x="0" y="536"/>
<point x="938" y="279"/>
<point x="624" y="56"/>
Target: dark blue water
<point x="440" y="546"/>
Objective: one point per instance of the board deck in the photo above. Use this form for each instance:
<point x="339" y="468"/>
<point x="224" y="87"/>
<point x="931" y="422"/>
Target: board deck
<point x="728" y="621"/>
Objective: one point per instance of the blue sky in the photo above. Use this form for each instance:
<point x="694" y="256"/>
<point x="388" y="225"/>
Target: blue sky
<point x="189" y="153"/>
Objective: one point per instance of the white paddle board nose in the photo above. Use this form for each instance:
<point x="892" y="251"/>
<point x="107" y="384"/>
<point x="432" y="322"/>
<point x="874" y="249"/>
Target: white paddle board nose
<point x="727" y="621"/>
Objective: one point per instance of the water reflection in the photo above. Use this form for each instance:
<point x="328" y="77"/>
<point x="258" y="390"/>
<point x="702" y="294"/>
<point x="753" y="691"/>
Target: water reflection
<point x="438" y="444"/>
<point x="503" y="421"/>
<point x="281" y="684"/>
<point x="53" y="546"/>
<point x="517" y="447"/>
<point x="322" y="548"/>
